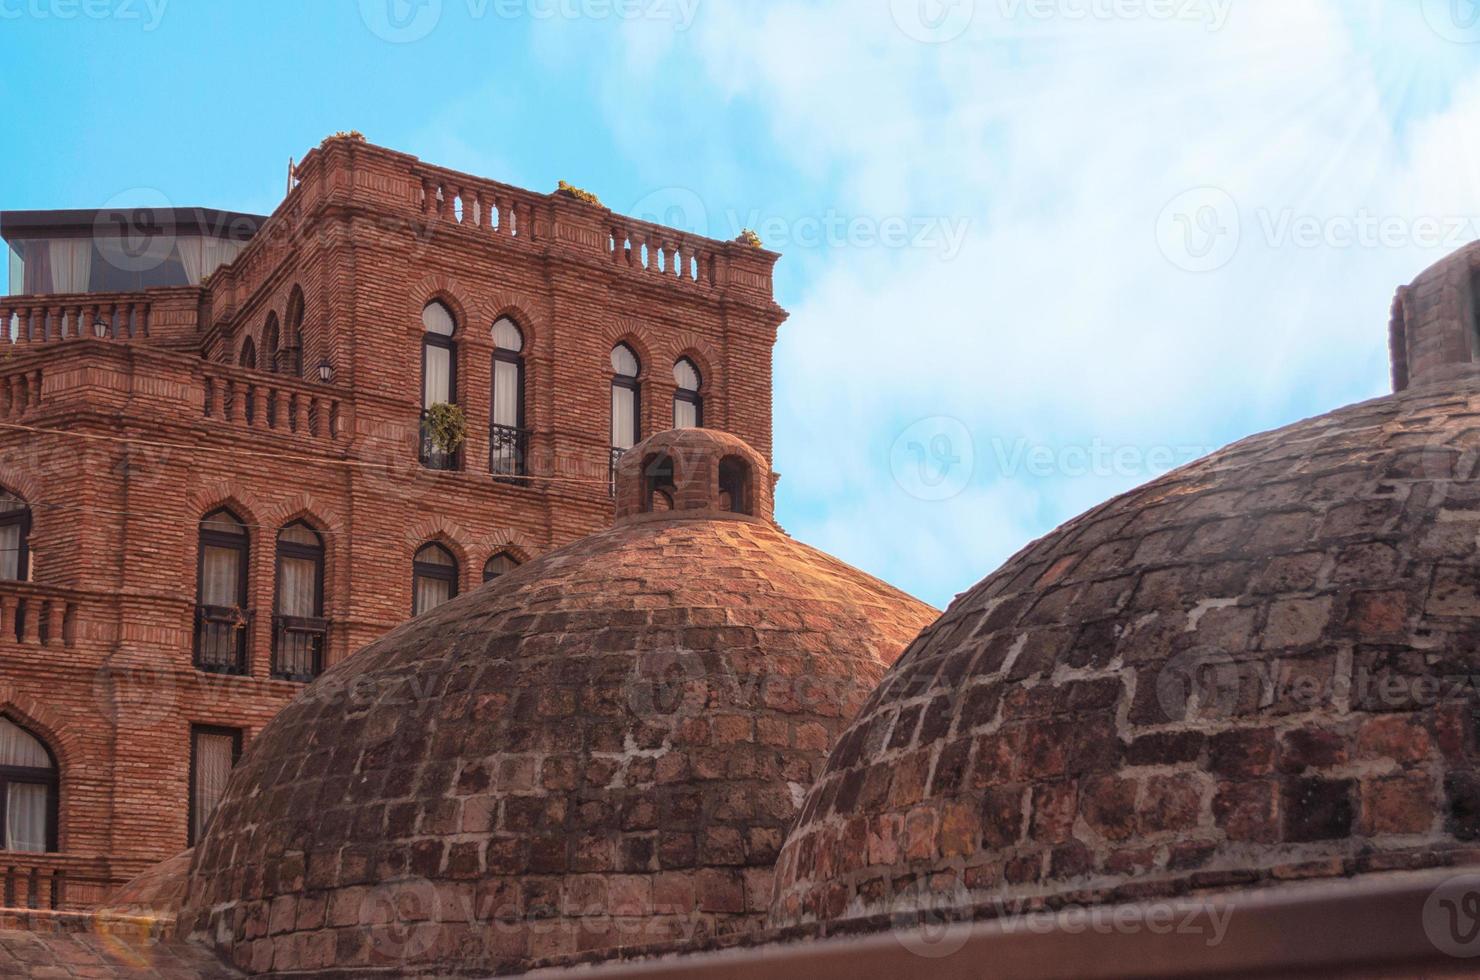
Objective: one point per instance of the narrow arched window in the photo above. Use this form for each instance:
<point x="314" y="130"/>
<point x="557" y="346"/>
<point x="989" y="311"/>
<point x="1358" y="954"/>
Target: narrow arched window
<point x="626" y="402"/>
<point x="213" y="754"/>
<point x="688" y="404"/>
<point x="658" y="487"/>
<point x="28" y="791"/>
<point x="15" y="533"/>
<point x="438" y="378"/>
<point x="499" y="565"/>
<point x="433" y="578"/>
<point x="221" y="617"/>
<point x="249" y="353"/>
<point x="270" y="343"/>
<point x="507" y="438"/>
<point x="292" y="356"/>
<point x="299" y="628"/>
<point x="734" y="486"/>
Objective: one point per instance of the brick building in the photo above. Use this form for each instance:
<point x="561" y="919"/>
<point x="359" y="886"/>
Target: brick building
<point x="218" y="468"/>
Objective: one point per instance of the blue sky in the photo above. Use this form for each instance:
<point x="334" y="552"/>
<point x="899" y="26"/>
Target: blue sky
<point x="1036" y="251"/>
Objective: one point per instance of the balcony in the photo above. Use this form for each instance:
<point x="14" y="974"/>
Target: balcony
<point x="272" y="403"/>
<point x="298" y="648"/>
<point x="508" y="453"/>
<point x="54" y="882"/>
<point x="433" y="458"/>
<point x="39" y="615"/>
<point x="221" y="639"/>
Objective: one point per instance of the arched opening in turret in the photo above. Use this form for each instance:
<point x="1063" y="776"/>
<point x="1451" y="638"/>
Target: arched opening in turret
<point x="658" y="486"/>
<point x="734" y="486"/>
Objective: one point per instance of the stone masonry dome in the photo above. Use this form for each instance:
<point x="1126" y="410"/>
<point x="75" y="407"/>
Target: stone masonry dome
<point x="1254" y="669"/>
<point x="601" y="749"/>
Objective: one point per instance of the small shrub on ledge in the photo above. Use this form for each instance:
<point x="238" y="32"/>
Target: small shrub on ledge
<point x="748" y="237"/>
<point x="446" y="427"/>
<point x="351" y="134"/>
<point x="570" y="190"/>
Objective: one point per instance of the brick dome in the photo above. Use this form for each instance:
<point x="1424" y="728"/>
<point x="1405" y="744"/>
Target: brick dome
<point x="1251" y="670"/>
<point x="602" y="748"/>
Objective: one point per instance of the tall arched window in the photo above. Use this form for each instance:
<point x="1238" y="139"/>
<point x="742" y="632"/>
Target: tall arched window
<point x="499" y="565"/>
<point x="688" y="404"/>
<point x="249" y="353"/>
<point x="292" y="356"/>
<point x="299" y="627"/>
<point x="626" y="402"/>
<point x="507" y="438"/>
<point x="270" y="343"/>
<point x="221" y="598"/>
<point x="433" y="578"/>
<point x="438" y="376"/>
<point x="15" y="532"/>
<point x="28" y="791"/>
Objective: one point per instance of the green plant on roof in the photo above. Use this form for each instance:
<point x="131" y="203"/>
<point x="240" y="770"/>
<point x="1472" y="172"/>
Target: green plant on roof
<point x="748" y="237"/>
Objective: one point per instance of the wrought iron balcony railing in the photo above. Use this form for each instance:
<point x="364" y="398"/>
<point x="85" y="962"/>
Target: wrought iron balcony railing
<point x="432" y="457"/>
<point x="508" y="451"/>
<point x="298" y="647"/>
<point x="221" y="639"/>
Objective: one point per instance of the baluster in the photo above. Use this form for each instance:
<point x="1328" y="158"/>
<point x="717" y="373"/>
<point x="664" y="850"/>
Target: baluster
<point x="426" y="196"/>
<point x="476" y="204"/>
<point x="300" y="413"/>
<point x="56" y="615"/>
<point x="69" y="624"/>
<point x="57" y="880"/>
<point x="36" y="389"/>
<point x="269" y="407"/>
<point x="228" y="401"/>
<point x="144" y="317"/>
<point x="9" y="606"/>
<point x="313" y="415"/>
<point x="30" y="613"/>
<point x="210" y="400"/>
<point x="334" y="419"/>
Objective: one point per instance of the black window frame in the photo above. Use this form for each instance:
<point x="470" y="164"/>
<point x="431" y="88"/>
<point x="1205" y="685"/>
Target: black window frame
<point x="692" y="397"/>
<point x="315" y="627"/>
<point x="219" y="615"/>
<point x="50" y="778"/>
<point x="292" y="350"/>
<point x="248" y="357"/>
<point x="500" y="435"/>
<point x="493" y="558"/>
<point x="22" y="518"/>
<point x="431" y="458"/>
<point x="446" y="573"/>
<point x="271" y="344"/>
<point x="236" y="757"/>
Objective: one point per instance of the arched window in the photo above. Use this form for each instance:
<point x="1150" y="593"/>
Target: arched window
<point x="249" y="353"/>
<point x="500" y="564"/>
<point x="658" y="486"/>
<point x="734" y="486"/>
<point x="433" y="578"/>
<point x="299" y="627"/>
<point x="626" y="402"/>
<point x="507" y="441"/>
<point x="213" y="754"/>
<point x="270" y="343"/>
<point x="28" y="791"/>
<point x="688" y="404"/>
<point x="221" y="595"/>
<point x="292" y="355"/>
<point x="438" y="377"/>
<point x="15" y="533"/>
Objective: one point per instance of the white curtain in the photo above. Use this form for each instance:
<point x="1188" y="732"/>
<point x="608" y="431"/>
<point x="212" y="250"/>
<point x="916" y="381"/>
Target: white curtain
<point x="505" y="393"/>
<point x="19" y="748"/>
<point x="298" y="588"/>
<point x="10" y="552"/>
<point x="25" y="818"/>
<point x="213" y="761"/>
<point x="220" y="584"/>
<point x="431" y="593"/>
<point x="624" y="417"/>
<point x="685" y="414"/>
<point x="201" y="256"/>
<point x="71" y="264"/>
<point x="438" y="386"/>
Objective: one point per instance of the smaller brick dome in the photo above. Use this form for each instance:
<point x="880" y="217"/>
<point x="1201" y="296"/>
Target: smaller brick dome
<point x="1253" y="669"/>
<point x="601" y="749"/>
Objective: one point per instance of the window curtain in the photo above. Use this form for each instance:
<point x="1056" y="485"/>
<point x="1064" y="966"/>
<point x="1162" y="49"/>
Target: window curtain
<point x="25" y="818"/>
<point x="298" y="588"/>
<point x="220" y="577"/>
<point x="431" y="593"/>
<point x="685" y="414"/>
<point x="438" y="386"/>
<point x="10" y="552"/>
<point x="19" y="748"/>
<point x="624" y="417"/>
<point x="213" y="761"/>
<point x="71" y="264"/>
<point x="201" y="256"/>
<point x="506" y="393"/>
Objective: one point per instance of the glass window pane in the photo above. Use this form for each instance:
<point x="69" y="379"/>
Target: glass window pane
<point x="19" y="747"/>
<point x="430" y="593"/>
<point x="624" y="417"/>
<point x="437" y="319"/>
<point x="685" y="375"/>
<point x="299" y="534"/>
<point x="435" y="554"/>
<point x="25" y="817"/>
<point x="298" y="587"/>
<point x="685" y="414"/>
<point x="220" y="576"/>
<point x="506" y="336"/>
<point x="624" y="362"/>
<point x="10" y="503"/>
<point x="438" y="388"/>
<point x="10" y="552"/>
<point x="500" y="564"/>
<point x="214" y="756"/>
<point x="505" y="393"/>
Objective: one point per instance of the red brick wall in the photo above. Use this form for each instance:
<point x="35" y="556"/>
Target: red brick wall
<point x="116" y="522"/>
